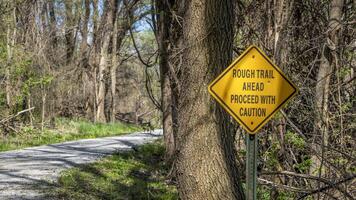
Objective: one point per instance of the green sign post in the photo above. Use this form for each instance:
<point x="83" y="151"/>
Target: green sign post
<point x="251" y="167"/>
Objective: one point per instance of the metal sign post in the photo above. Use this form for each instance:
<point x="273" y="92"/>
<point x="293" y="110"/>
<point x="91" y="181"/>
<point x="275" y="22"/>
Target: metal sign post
<point x="251" y="167"/>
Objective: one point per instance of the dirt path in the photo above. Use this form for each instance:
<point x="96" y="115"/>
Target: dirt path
<point x="25" y="173"/>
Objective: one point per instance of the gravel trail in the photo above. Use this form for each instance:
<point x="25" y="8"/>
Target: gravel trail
<point x="25" y="173"/>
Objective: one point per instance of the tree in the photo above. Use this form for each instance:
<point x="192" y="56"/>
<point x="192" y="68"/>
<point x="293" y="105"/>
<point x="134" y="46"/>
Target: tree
<point x="110" y="17"/>
<point x="328" y="63"/>
<point x="69" y="30"/>
<point x="206" y="156"/>
<point x="165" y="32"/>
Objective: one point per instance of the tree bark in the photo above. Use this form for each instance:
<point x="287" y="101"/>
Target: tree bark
<point x="84" y="43"/>
<point x="163" y="21"/>
<point x="120" y="30"/>
<point x="115" y="64"/>
<point x="53" y="24"/>
<point x="322" y="89"/>
<point x="103" y="65"/>
<point x="69" y="30"/>
<point x="206" y="162"/>
<point x="10" y="45"/>
<point x="43" y="110"/>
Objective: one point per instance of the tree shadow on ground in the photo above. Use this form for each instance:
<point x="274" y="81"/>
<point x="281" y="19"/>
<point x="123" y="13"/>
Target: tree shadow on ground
<point x="137" y="174"/>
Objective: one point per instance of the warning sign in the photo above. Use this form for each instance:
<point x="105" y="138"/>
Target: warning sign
<point x="252" y="89"/>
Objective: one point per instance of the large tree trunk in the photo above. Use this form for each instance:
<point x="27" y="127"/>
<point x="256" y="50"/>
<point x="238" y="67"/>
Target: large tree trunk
<point x="103" y="65"/>
<point x="206" y="162"/>
<point x="327" y="63"/>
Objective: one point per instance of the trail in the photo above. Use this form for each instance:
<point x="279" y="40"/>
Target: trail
<point x="25" y="173"/>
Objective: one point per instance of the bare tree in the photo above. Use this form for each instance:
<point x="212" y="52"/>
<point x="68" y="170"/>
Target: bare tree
<point x="328" y="63"/>
<point x="110" y="10"/>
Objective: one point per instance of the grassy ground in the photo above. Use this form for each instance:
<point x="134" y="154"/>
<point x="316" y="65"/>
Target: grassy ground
<point x="133" y="175"/>
<point x="66" y="130"/>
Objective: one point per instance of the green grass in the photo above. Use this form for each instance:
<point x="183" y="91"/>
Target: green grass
<point x="66" y="130"/>
<point x="132" y="175"/>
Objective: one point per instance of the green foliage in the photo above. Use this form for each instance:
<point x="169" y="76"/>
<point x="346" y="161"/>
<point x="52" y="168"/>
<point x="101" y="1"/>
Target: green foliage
<point x="3" y="53"/>
<point x="2" y="98"/>
<point x="271" y="155"/>
<point x="344" y="72"/>
<point x="35" y="82"/>
<point x="295" y="140"/>
<point x="305" y="165"/>
<point x="130" y="175"/>
<point x="346" y="107"/>
<point x="285" y="196"/>
<point x="66" y="130"/>
<point x="352" y="169"/>
<point x="263" y="193"/>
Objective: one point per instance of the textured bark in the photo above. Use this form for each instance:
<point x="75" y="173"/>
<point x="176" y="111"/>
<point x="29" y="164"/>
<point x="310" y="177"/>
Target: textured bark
<point x="322" y="89"/>
<point x="7" y="70"/>
<point x="115" y="64"/>
<point x="43" y="110"/>
<point x="93" y="60"/>
<point x="69" y="30"/>
<point x="206" y="165"/>
<point x="10" y="44"/>
<point x="53" y="24"/>
<point x="163" y="21"/>
<point x="84" y="44"/>
<point x="103" y="65"/>
<point x="121" y="28"/>
<point x="84" y="60"/>
<point x="282" y="10"/>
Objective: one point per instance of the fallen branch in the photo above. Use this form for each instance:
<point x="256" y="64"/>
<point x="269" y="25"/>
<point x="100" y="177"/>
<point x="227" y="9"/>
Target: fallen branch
<point x="306" y="176"/>
<point x="286" y="187"/>
<point x="8" y="118"/>
<point x="333" y="185"/>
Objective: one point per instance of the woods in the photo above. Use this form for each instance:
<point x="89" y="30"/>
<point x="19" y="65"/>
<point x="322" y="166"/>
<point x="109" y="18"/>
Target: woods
<point x="150" y="62"/>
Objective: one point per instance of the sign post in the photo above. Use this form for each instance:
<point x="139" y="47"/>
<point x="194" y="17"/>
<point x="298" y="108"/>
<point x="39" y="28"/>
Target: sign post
<point x="252" y="89"/>
<point x="251" y="167"/>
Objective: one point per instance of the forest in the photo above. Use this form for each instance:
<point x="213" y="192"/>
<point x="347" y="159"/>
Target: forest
<point x="148" y="63"/>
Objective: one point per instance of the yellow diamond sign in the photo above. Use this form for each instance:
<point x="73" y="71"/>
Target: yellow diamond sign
<point x="252" y="89"/>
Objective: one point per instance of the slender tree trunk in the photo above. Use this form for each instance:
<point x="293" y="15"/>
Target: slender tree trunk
<point x="282" y="10"/>
<point x="84" y="43"/>
<point x="120" y="30"/>
<point x="43" y="110"/>
<point x="11" y="40"/>
<point x="327" y="64"/>
<point x="163" y="21"/>
<point x="114" y="65"/>
<point x="95" y="103"/>
<point x="29" y="106"/>
<point x="103" y="65"/>
<point x="53" y="24"/>
<point x="206" y="163"/>
<point x="7" y="70"/>
<point x="84" y="58"/>
<point x="69" y="30"/>
<point x="93" y="59"/>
